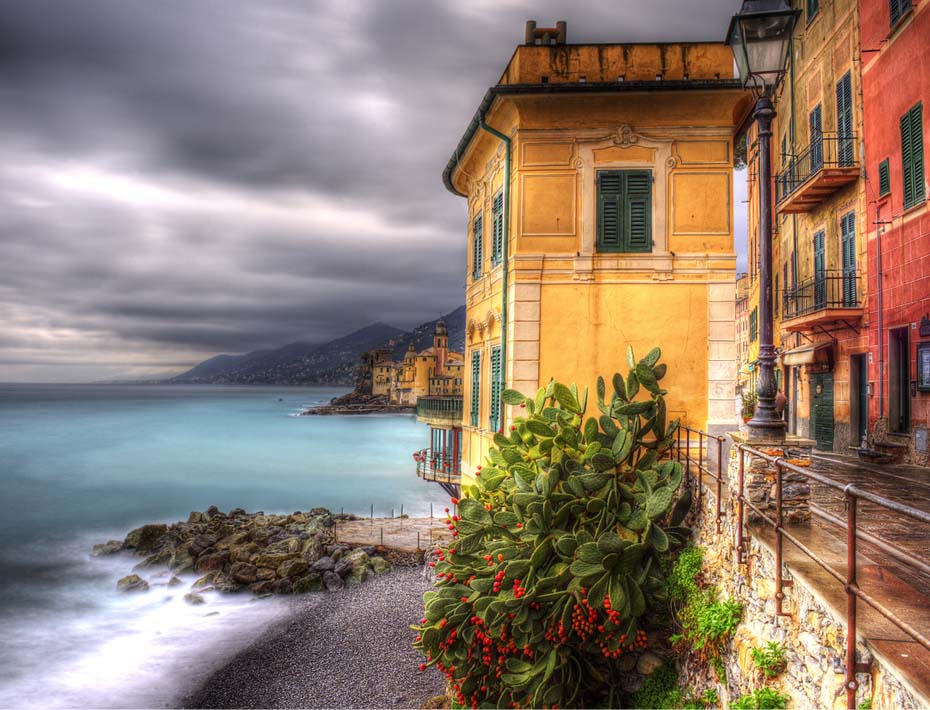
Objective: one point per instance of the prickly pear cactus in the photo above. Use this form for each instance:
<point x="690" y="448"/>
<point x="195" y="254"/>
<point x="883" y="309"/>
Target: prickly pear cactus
<point x="560" y="548"/>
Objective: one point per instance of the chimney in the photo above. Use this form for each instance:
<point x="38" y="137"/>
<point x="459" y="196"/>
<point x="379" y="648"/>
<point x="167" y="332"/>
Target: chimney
<point x="545" y="35"/>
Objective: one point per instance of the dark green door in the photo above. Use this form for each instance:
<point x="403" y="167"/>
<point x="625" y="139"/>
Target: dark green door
<point x="822" y="410"/>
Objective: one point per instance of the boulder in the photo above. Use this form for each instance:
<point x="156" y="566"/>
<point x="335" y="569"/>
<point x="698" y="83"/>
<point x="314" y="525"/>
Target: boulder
<point x="205" y="581"/>
<point x="194" y="598"/>
<point x="344" y="567"/>
<point x="225" y="583"/>
<point x="312" y="549"/>
<point x="292" y="568"/>
<point x="244" y="573"/>
<point x="231" y="540"/>
<point x="175" y="581"/>
<point x="213" y="511"/>
<point x="156" y="559"/>
<point x="287" y="546"/>
<point x="147" y="538"/>
<point x="358" y="575"/>
<point x="310" y="582"/>
<point x="379" y="565"/>
<point x="282" y="586"/>
<point x="324" y="564"/>
<point x="272" y="560"/>
<point x="264" y="533"/>
<point x="197" y="517"/>
<point x="212" y="561"/>
<point x="202" y="542"/>
<point x="182" y="560"/>
<point x="332" y="581"/>
<point x="132" y="583"/>
<point x="111" y="547"/>
<point x="263" y="587"/>
<point x="237" y="513"/>
<point x="649" y="663"/>
<point x="265" y="573"/>
<point x="244" y="553"/>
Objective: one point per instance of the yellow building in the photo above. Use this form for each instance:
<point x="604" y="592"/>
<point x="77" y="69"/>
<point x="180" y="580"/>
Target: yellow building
<point x="600" y="213"/>
<point x="382" y="373"/>
<point x="744" y="376"/>
<point x="819" y="242"/>
<point x="432" y="372"/>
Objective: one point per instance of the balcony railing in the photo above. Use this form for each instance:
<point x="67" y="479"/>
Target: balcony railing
<point x="438" y="466"/>
<point x="828" y="163"/>
<point x="826" y="290"/>
<point x="440" y="408"/>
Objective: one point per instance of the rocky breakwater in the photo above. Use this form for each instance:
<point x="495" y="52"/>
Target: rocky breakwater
<point x="240" y="551"/>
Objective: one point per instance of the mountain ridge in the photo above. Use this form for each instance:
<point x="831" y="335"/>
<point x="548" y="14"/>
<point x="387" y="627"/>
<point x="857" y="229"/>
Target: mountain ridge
<point x="330" y="363"/>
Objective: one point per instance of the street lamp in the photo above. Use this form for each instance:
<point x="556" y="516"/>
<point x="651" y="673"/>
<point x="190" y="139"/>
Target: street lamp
<point x="760" y="37"/>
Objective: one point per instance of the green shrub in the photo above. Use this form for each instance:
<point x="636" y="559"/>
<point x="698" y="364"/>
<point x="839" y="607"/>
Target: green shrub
<point x="764" y="698"/>
<point x="770" y="659"/>
<point x="684" y="578"/>
<point x="659" y="690"/>
<point x="560" y="549"/>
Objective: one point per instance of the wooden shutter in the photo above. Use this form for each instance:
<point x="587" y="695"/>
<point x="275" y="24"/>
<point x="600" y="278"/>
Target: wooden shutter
<point x="495" y="408"/>
<point x="609" y="195"/>
<point x="820" y="270"/>
<point x="497" y="228"/>
<point x="884" y="178"/>
<point x="897" y="9"/>
<point x="475" y="386"/>
<point x="477" y="247"/>
<point x="917" y="153"/>
<point x="637" y="209"/>
<point x="815" y="121"/>
<point x="844" y="148"/>
<point x="812" y="7"/>
<point x="848" y="228"/>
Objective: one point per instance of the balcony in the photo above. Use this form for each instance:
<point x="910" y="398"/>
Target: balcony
<point x="440" y="411"/>
<point x="829" y="163"/>
<point x="828" y="297"/>
<point x="440" y="466"/>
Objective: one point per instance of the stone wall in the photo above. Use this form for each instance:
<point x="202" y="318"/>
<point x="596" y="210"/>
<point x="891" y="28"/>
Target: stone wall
<point x="815" y="636"/>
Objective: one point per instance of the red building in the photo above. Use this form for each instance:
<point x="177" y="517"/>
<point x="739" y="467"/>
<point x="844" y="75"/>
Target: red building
<point x="895" y="51"/>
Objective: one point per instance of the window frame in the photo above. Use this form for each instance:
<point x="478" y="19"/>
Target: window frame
<point x="912" y="156"/>
<point x="496" y="381"/>
<point x="477" y="247"/>
<point x="475" y="401"/>
<point x="497" y="228"/>
<point x="625" y="198"/>
<point x="884" y="178"/>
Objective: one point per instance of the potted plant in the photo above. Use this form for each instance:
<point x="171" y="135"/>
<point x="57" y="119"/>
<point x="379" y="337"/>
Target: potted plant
<point x="750" y="399"/>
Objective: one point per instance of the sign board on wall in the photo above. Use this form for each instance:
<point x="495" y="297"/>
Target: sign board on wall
<point x="923" y="367"/>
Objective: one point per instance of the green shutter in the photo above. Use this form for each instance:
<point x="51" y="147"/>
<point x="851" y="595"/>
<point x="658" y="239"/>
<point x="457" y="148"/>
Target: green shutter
<point x="815" y="126"/>
<point x="898" y="8"/>
<point x="497" y="229"/>
<point x="475" y="387"/>
<point x="812" y="7"/>
<point x="609" y="195"/>
<point x="884" y="178"/>
<point x="912" y="156"/>
<point x="495" y="389"/>
<point x="624" y="211"/>
<point x="477" y="247"/>
<point x="844" y="122"/>
<point x="820" y="270"/>
<point x="848" y="229"/>
<point x="637" y="210"/>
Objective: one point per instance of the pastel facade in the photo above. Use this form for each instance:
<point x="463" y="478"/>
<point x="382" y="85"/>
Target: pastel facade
<point x="896" y="97"/>
<point x="434" y="371"/>
<point x="614" y="226"/>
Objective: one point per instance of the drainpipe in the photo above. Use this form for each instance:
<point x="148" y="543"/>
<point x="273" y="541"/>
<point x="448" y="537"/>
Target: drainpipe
<point x="881" y="325"/>
<point x="505" y="246"/>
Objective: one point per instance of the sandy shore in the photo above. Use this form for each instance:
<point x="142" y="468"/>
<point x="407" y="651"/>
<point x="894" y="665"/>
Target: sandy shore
<point x="350" y="649"/>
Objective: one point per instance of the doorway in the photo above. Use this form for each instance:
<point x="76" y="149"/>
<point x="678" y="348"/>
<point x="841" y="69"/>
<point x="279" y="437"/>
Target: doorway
<point x="822" y="410"/>
<point x="899" y="376"/>
<point x="858" y="399"/>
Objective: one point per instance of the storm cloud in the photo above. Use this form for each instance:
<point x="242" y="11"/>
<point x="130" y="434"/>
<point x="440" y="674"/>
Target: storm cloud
<point x="185" y="178"/>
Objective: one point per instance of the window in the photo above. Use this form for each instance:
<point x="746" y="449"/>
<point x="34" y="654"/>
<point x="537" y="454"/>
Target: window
<point x="815" y="122"/>
<point x="624" y="211"/>
<point x="848" y="231"/>
<point x="477" y="230"/>
<point x="754" y="325"/>
<point x="495" y="408"/>
<point x="775" y="295"/>
<point x="912" y="156"/>
<point x="820" y="270"/>
<point x="898" y="9"/>
<point x="497" y="228"/>
<point x="884" y="178"/>
<point x="844" y="122"/>
<point x="475" y="386"/>
<point x="813" y="7"/>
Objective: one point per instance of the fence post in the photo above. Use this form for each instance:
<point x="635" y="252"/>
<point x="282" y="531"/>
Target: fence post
<point x="780" y="583"/>
<point x="851" y="589"/>
<point x="688" y="455"/>
<point x="700" y="471"/>
<point x="740" y="476"/>
<point x="719" y="480"/>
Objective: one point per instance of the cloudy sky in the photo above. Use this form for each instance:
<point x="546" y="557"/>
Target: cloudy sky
<point x="186" y="178"/>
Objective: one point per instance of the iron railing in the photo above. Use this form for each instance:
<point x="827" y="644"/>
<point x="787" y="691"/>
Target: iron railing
<point x="695" y="468"/>
<point x="826" y="150"/>
<point x="444" y="407"/>
<point x="852" y="494"/>
<point x="438" y="466"/>
<point x="827" y="289"/>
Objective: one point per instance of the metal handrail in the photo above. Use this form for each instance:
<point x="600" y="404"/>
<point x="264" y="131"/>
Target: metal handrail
<point x="433" y="405"/>
<point x="704" y="440"/>
<point x="439" y="467"/>
<point x="852" y="494"/>
<point x="828" y="289"/>
<point x="826" y="150"/>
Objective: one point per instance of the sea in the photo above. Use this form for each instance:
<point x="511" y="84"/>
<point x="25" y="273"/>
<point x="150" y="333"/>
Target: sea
<point x="83" y="464"/>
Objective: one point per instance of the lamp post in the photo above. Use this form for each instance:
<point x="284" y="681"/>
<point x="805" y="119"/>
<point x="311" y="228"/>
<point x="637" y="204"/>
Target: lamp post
<point x="760" y="37"/>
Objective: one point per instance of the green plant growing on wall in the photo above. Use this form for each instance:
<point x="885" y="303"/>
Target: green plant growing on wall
<point x="560" y="549"/>
<point x="770" y="659"/>
<point x="764" y="698"/>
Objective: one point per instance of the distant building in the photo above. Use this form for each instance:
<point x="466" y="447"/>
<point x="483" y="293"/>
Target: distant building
<point x="746" y="380"/>
<point x="598" y="180"/>
<point x="432" y="372"/>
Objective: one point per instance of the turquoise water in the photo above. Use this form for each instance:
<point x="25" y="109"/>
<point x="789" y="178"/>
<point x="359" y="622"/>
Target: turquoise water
<point x="80" y="464"/>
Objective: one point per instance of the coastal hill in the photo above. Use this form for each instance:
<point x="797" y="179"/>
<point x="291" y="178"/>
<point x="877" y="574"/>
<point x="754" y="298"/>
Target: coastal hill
<point x="332" y="363"/>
